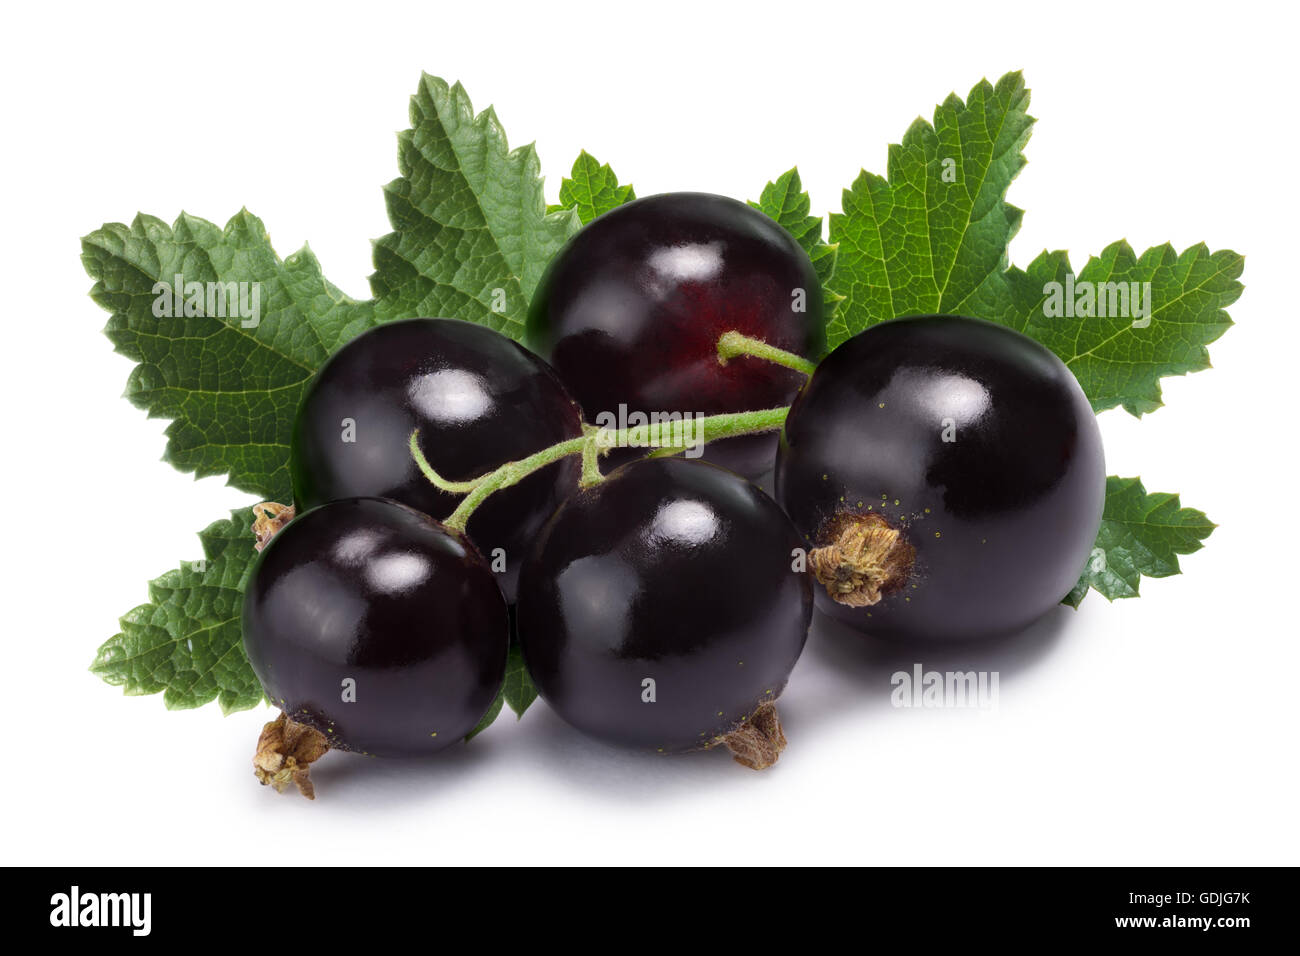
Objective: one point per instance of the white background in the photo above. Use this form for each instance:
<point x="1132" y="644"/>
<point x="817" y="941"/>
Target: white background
<point x="1159" y="730"/>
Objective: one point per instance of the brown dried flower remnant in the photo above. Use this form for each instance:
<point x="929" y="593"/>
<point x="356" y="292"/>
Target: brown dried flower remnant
<point x="866" y="559"/>
<point x="270" y="517"/>
<point x="285" y="751"/>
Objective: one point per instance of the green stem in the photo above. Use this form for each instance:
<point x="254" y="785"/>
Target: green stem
<point x="590" y="464"/>
<point x="439" y="482"/>
<point x="508" y="474"/>
<point x="732" y="344"/>
<point x="676" y="434"/>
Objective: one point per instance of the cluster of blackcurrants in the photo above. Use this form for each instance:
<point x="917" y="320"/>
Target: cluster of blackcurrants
<point x="936" y="478"/>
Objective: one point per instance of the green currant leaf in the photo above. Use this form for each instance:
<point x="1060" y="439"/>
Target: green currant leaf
<point x="493" y="711"/>
<point x="1141" y="534"/>
<point x="1120" y="356"/>
<point x="471" y="234"/>
<point x="518" y="690"/>
<point x="591" y="189"/>
<point x="186" y="642"/>
<point x="933" y="235"/>
<point x="785" y="201"/>
<point x="230" y="384"/>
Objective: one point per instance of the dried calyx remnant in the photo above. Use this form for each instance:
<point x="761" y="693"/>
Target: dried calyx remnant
<point x="865" y="559"/>
<point x="269" y="517"/>
<point x="758" y="741"/>
<point x="285" y="751"/>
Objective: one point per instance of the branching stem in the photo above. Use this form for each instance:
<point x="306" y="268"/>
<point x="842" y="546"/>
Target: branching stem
<point x="674" y="434"/>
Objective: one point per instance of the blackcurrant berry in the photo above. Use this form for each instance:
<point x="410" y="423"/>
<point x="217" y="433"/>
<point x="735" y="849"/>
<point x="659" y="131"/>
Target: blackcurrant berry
<point x="377" y="627"/>
<point x="948" y="474"/>
<point x="630" y="313"/>
<point x="661" y="609"/>
<point x="478" y="399"/>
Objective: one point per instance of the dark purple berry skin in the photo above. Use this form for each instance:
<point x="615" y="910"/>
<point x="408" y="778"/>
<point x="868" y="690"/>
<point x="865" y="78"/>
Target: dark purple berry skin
<point x="630" y="312"/>
<point x="1003" y="516"/>
<point x="371" y="590"/>
<point x="671" y="570"/>
<point x="479" y="401"/>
